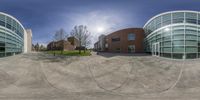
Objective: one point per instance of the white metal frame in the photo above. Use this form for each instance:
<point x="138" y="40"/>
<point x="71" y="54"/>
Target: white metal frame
<point x="156" y="49"/>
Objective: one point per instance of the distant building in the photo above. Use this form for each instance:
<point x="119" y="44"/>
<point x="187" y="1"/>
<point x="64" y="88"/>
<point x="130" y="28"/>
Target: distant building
<point x="102" y="42"/>
<point x="70" y="44"/>
<point x="96" y="46"/>
<point x="124" y="41"/>
<point x="29" y="40"/>
<point x="73" y="41"/>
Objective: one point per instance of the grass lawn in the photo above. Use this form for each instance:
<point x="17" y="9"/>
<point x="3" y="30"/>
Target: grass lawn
<point x="70" y="53"/>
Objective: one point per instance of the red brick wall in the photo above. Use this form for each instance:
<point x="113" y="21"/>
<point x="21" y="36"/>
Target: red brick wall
<point x="124" y="42"/>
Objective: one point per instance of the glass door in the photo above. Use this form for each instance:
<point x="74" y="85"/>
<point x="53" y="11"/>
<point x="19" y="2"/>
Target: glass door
<point x="156" y="49"/>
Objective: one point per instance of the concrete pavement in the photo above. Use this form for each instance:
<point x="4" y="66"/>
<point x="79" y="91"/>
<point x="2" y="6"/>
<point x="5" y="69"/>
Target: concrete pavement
<point x="38" y="76"/>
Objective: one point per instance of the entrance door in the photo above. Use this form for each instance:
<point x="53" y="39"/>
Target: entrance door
<point x="131" y="49"/>
<point x="156" y="49"/>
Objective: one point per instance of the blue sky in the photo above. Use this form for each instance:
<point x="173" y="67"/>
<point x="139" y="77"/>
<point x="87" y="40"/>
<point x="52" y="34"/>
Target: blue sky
<point x="44" y="17"/>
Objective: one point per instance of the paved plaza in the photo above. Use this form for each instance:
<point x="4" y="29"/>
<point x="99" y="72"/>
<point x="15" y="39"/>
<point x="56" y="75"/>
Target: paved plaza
<point x="39" y="76"/>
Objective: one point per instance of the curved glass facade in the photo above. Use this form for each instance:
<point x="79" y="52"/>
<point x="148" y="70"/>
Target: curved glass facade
<point x="174" y="34"/>
<point x="11" y="36"/>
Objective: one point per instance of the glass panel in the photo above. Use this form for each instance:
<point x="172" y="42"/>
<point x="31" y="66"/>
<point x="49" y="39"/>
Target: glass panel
<point x="131" y="36"/>
<point x="191" y="55"/>
<point x="166" y="19"/>
<point x="168" y="55"/>
<point x="2" y="39"/>
<point x="178" y="17"/>
<point x="178" y="49"/>
<point x="167" y="38"/>
<point x="166" y="32"/>
<point x="131" y="48"/>
<point x="178" y="42"/>
<point x="178" y="37"/>
<point x="190" y="37"/>
<point x="199" y="49"/>
<point x="158" y="22"/>
<point x="167" y="49"/>
<point x="2" y="44"/>
<point x="177" y="56"/>
<point x="190" y="49"/>
<point x="199" y="19"/>
<point x="179" y="31"/>
<point x="191" y="17"/>
<point x="2" y="34"/>
<point x="191" y="27"/>
<point x="2" y="18"/>
<point x="193" y="43"/>
<point x="2" y="23"/>
<point x="167" y="44"/>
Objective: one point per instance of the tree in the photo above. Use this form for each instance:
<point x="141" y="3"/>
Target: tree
<point x="37" y="46"/>
<point x="83" y="35"/>
<point x="42" y="48"/>
<point x="33" y="47"/>
<point x="60" y="35"/>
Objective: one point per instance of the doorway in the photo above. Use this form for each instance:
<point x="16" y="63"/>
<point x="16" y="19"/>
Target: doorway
<point x="156" y="49"/>
<point x="131" y="49"/>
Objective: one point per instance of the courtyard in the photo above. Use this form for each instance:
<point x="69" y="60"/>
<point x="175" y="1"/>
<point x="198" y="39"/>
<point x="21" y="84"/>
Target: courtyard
<point x="98" y="77"/>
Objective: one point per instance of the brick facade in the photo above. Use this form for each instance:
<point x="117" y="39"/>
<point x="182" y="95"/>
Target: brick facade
<point x="118" y="41"/>
<point x="65" y="45"/>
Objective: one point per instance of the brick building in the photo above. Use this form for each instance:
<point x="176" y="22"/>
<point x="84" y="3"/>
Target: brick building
<point x="70" y="44"/>
<point x="125" y="41"/>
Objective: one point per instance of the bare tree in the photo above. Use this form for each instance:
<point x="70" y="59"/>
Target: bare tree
<point x="83" y="35"/>
<point x="37" y="47"/>
<point x="60" y="35"/>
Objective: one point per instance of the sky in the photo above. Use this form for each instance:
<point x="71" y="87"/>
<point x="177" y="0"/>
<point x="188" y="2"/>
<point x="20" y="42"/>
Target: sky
<point x="45" y="17"/>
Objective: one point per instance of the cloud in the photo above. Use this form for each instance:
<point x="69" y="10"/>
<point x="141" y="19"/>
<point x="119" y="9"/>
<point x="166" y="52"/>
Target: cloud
<point x="109" y="20"/>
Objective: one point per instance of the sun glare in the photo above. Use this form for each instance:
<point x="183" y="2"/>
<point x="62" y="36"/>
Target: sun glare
<point x="100" y="29"/>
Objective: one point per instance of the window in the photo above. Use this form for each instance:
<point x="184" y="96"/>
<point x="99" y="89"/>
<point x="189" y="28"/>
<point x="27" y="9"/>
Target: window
<point x="8" y="26"/>
<point x="178" y="56"/>
<point x="167" y="49"/>
<point x="116" y="39"/>
<point x="166" y="19"/>
<point x="131" y="36"/>
<point x="167" y="44"/>
<point x="2" y="44"/>
<point x="191" y="55"/>
<point x="191" y="42"/>
<point x="158" y="22"/>
<point x="191" y="49"/>
<point x="118" y="50"/>
<point x="2" y="23"/>
<point x="178" y="17"/>
<point x="2" y="49"/>
<point x="178" y="43"/>
<point x="191" y="18"/>
<point x="199" y="19"/>
<point x="178" y="49"/>
<point x="178" y="37"/>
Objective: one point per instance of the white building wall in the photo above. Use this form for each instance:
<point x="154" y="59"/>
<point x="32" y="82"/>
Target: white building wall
<point x="25" y="42"/>
<point x="29" y="40"/>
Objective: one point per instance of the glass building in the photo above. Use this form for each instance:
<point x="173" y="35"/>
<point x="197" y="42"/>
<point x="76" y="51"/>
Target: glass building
<point x="174" y="34"/>
<point x="12" y="35"/>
